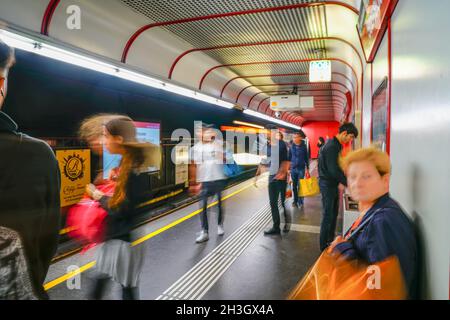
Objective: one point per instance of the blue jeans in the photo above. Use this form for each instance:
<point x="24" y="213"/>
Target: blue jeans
<point x="296" y="175"/>
<point x="210" y="189"/>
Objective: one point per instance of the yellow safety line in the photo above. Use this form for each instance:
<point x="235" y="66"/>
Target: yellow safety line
<point x="169" y="195"/>
<point x="88" y="266"/>
<point x="69" y="275"/>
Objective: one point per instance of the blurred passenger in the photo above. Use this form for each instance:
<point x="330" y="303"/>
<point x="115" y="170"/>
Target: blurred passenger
<point x="206" y="174"/>
<point x="116" y="258"/>
<point x="29" y="198"/>
<point x="330" y="176"/>
<point x="91" y="130"/>
<point x="277" y="163"/>
<point x="386" y="229"/>
<point x="299" y="156"/>
<point x="320" y="144"/>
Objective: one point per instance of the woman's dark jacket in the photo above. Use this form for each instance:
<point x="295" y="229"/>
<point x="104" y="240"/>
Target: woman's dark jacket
<point x="389" y="233"/>
<point x="121" y="220"/>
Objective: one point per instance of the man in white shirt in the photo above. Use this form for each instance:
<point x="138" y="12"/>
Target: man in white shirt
<point x="206" y="174"/>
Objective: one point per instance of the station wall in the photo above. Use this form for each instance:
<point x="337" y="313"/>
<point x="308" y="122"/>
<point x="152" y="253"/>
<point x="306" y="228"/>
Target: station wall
<point x="420" y="127"/>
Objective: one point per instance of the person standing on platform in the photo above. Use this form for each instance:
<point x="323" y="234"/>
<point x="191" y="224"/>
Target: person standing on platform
<point x="29" y="201"/>
<point x="278" y="166"/>
<point x="299" y="156"/>
<point x="320" y="144"/>
<point x="206" y="175"/>
<point x="330" y="176"/>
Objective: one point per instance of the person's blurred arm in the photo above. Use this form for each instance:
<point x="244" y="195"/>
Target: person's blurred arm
<point x="285" y="164"/>
<point x="194" y="186"/>
<point x="283" y="170"/>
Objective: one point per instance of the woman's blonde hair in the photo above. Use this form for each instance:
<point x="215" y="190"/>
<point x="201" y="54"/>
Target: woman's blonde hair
<point x="377" y="157"/>
<point x="92" y="127"/>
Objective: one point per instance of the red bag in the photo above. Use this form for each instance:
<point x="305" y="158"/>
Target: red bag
<point x="86" y="219"/>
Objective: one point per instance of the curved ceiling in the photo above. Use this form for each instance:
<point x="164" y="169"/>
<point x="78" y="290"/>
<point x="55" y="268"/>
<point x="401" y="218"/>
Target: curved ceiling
<point x="242" y="51"/>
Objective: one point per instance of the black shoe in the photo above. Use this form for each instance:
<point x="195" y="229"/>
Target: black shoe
<point x="287" y="227"/>
<point x="294" y="205"/>
<point x="272" y="231"/>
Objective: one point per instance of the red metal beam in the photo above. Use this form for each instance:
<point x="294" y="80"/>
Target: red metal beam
<point x="388" y="120"/>
<point x="276" y="62"/>
<point x="242" y="45"/>
<point x="262" y="102"/>
<point x="282" y="75"/>
<point x="230" y="14"/>
<point x="289" y="84"/>
<point x="48" y="15"/>
<point x="272" y="62"/>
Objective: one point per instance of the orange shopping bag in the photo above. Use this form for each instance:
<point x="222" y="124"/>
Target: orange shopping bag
<point x="334" y="278"/>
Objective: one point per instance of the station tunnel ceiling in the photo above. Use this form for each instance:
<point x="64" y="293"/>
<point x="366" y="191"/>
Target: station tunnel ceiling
<point x="241" y="51"/>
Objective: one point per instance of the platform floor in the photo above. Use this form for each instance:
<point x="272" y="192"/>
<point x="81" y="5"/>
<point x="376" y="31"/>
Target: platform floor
<point x="242" y="264"/>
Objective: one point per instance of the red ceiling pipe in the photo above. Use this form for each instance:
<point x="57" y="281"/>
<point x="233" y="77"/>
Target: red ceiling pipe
<point x="290" y="116"/>
<point x="248" y="105"/>
<point x="272" y="62"/>
<point x="288" y="84"/>
<point x="48" y="15"/>
<point x="262" y="102"/>
<point x="265" y="110"/>
<point x="242" y="45"/>
<point x="279" y="61"/>
<point x="229" y="14"/>
<point x="280" y="75"/>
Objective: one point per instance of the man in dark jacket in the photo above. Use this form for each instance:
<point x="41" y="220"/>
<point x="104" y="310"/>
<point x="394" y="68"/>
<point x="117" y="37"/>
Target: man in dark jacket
<point x="330" y="176"/>
<point x="29" y="188"/>
<point x="299" y="156"/>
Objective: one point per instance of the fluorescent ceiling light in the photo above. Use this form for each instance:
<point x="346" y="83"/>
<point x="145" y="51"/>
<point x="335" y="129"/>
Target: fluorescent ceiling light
<point x="320" y="71"/>
<point x="271" y="119"/>
<point x="248" y="124"/>
<point x="38" y="47"/>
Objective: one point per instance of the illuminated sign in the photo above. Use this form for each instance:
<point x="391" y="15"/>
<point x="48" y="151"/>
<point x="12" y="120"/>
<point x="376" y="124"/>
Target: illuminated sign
<point x="320" y="71"/>
<point x="306" y="102"/>
<point x="285" y="103"/>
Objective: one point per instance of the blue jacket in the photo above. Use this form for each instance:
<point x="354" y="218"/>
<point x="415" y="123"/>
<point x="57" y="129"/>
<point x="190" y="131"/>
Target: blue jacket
<point x="299" y="156"/>
<point x="389" y="233"/>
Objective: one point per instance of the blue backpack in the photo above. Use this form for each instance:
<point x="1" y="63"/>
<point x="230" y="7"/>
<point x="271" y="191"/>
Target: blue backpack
<point x="231" y="168"/>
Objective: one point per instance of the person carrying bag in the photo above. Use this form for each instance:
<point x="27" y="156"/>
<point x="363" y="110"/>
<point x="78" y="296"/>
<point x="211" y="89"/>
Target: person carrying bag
<point x="309" y="187"/>
<point x="335" y="278"/>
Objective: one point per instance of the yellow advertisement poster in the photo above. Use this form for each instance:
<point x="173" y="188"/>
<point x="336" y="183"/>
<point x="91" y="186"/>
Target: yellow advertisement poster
<point x="75" y="168"/>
